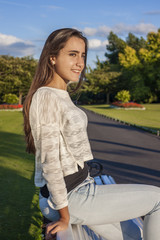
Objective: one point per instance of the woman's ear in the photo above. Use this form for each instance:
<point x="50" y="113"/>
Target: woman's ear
<point x="53" y="60"/>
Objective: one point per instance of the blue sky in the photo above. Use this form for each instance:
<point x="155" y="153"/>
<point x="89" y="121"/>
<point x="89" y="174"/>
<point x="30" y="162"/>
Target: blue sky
<point x="25" y="24"/>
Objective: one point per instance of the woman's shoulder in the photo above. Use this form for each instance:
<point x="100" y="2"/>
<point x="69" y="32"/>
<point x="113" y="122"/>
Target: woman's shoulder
<point x="50" y="96"/>
<point x="50" y="91"/>
<point x="44" y="91"/>
<point x="44" y="94"/>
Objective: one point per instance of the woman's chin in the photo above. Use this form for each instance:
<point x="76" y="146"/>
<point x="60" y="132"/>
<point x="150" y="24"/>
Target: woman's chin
<point x="73" y="80"/>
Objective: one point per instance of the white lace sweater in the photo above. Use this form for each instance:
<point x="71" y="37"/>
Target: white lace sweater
<point x="60" y="136"/>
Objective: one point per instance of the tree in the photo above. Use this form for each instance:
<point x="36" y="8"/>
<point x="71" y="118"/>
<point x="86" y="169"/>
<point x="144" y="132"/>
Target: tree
<point x="129" y="58"/>
<point x="16" y="75"/>
<point x="150" y="57"/>
<point x="115" y="46"/>
<point x="132" y="71"/>
<point x="132" y="65"/>
<point x="140" y="70"/>
<point x="135" y="42"/>
<point x="102" y="80"/>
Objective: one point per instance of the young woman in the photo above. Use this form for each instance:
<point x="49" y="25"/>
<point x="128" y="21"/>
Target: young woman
<point x="56" y="133"/>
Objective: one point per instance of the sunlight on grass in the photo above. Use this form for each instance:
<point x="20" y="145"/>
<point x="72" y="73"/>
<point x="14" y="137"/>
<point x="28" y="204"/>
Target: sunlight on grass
<point x="147" y="118"/>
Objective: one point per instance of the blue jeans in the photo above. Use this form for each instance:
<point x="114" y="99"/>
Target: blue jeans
<point x="106" y="208"/>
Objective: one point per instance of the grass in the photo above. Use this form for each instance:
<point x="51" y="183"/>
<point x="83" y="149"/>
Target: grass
<point x="20" y="217"/>
<point x="148" y="118"/>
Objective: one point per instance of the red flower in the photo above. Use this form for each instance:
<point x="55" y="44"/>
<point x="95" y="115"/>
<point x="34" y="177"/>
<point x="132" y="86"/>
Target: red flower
<point x="10" y="106"/>
<point x="127" y="105"/>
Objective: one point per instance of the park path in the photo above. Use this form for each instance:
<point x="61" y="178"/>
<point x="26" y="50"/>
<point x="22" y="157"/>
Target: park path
<point x="129" y="154"/>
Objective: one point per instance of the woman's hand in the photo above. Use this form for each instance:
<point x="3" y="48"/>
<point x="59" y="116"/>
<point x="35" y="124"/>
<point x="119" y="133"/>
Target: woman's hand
<point x="53" y="228"/>
<point x="61" y="225"/>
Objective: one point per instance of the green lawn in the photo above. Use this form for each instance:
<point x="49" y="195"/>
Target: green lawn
<point x="149" y="118"/>
<point x="20" y="217"/>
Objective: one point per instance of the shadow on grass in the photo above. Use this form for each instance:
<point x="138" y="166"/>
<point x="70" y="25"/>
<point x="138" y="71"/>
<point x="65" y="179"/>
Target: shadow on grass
<point x="108" y="108"/>
<point x="13" y="145"/>
<point x="20" y="215"/>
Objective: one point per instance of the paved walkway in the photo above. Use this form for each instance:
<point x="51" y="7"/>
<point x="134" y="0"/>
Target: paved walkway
<point x="128" y="154"/>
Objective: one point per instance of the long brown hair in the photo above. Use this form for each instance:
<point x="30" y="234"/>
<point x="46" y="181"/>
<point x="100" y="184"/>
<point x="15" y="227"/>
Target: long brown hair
<point x="45" y="72"/>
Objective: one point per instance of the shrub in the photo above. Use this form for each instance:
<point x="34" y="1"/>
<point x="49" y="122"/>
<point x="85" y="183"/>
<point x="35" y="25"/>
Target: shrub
<point x="123" y="96"/>
<point x="10" y="98"/>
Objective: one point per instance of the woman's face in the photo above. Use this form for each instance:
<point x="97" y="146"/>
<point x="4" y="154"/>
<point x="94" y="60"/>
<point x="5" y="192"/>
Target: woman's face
<point x="70" y="61"/>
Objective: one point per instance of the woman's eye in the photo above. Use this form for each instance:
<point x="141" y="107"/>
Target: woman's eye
<point x="72" y="54"/>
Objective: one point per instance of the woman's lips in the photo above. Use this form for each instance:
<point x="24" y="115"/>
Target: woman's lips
<point x="76" y="71"/>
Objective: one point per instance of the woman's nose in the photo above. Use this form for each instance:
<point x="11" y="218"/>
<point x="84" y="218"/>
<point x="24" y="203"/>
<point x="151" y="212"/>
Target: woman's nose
<point x="80" y="61"/>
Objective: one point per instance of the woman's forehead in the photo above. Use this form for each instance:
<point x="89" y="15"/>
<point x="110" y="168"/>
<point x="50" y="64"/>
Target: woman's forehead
<point x="75" y="43"/>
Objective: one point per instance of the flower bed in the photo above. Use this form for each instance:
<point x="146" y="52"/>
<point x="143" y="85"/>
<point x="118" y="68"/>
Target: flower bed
<point x="10" y="106"/>
<point x="127" y="105"/>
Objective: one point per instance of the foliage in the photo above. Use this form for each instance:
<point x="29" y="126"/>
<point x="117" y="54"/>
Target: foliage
<point x="123" y="96"/>
<point x="102" y="81"/>
<point x="140" y="69"/>
<point x="10" y="98"/>
<point x="129" y="59"/>
<point x="115" y="46"/>
<point x="16" y="75"/>
<point x="135" y="42"/>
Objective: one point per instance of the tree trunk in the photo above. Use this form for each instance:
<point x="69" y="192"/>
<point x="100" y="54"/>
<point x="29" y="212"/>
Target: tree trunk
<point x="20" y="98"/>
<point x="107" y="98"/>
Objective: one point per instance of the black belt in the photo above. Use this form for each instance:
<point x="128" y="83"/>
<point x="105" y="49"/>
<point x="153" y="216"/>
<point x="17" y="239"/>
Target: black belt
<point x="44" y="191"/>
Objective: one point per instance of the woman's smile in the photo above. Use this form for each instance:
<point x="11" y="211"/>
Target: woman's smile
<point x="76" y="71"/>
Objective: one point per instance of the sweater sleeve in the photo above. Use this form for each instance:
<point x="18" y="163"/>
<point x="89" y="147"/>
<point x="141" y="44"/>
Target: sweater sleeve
<point x="48" y="113"/>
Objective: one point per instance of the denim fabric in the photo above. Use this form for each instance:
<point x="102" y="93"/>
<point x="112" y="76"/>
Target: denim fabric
<point x="106" y="209"/>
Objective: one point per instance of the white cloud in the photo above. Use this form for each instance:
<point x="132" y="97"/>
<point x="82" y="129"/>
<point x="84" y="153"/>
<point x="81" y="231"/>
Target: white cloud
<point x="90" y="31"/>
<point x="120" y="29"/>
<point x="104" y="30"/>
<point x="96" y="44"/>
<point x="12" y="45"/>
<point x="141" y="28"/>
<point x="8" y="39"/>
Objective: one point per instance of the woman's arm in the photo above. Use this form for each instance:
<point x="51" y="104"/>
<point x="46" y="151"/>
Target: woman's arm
<point x="46" y="129"/>
<point x="62" y="224"/>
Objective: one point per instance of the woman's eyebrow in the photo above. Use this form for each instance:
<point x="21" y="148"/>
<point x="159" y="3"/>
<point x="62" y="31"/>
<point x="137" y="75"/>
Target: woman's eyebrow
<point x="75" y="51"/>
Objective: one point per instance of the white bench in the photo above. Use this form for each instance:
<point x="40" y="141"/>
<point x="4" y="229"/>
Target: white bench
<point x="78" y="232"/>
